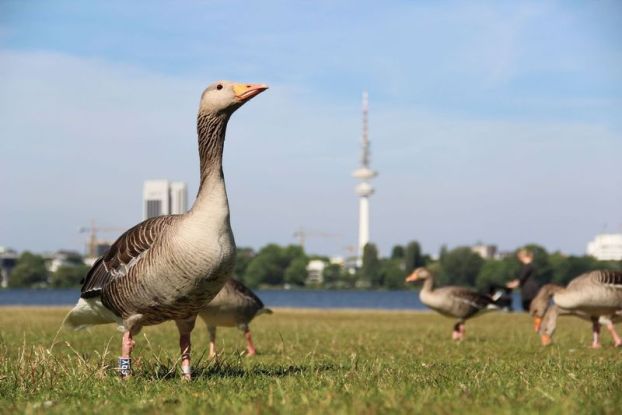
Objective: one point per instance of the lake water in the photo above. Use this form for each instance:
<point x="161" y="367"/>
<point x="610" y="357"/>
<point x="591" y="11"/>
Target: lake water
<point x="388" y="300"/>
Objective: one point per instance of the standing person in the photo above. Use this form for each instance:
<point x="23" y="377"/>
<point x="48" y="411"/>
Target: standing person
<point x="526" y="278"/>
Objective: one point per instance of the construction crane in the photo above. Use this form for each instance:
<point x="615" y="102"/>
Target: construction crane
<point x="302" y="234"/>
<point x="93" y="241"/>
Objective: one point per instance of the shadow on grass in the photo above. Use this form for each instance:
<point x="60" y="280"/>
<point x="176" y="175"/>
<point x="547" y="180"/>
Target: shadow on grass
<point x="224" y="370"/>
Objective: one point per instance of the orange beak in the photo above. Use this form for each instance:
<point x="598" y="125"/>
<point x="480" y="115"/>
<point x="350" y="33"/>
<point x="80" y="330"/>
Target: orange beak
<point x="412" y="277"/>
<point x="546" y="340"/>
<point x="537" y="323"/>
<point x="244" y="92"/>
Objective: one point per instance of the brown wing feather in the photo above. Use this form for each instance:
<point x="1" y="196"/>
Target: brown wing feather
<point x="609" y="277"/>
<point x="476" y="300"/>
<point x="124" y="253"/>
<point x="246" y="292"/>
<point x="604" y="277"/>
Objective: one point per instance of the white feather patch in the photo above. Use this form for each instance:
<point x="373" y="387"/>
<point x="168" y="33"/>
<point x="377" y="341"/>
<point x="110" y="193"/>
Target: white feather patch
<point x="88" y="312"/>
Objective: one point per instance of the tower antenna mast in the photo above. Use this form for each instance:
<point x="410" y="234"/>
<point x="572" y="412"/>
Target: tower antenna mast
<point x="364" y="189"/>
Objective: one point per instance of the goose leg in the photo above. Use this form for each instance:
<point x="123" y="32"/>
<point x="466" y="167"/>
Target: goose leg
<point x="462" y="330"/>
<point x="125" y="361"/>
<point x="250" y="347"/>
<point x="458" y="333"/>
<point x="617" y="341"/>
<point x="185" y="327"/>
<point x="212" y="341"/>
<point x="595" y="333"/>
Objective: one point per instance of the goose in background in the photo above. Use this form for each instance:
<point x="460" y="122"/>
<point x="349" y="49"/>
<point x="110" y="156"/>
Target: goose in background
<point x="168" y="267"/>
<point x="595" y="296"/>
<point x="545" y="312"/>
<point x="549" y="324"/>
<point x="541" y="303"/>
<point x="235" y="305"/>
<point x="458" y="302"/>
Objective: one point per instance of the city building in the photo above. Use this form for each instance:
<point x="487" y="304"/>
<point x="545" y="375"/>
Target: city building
<point x="179" y="198"/>
<point x="315" y="271"/>
<point x="156" y="198"/>
<point x="486" y="251"/>
<point x="8" y="260"/>
<point x="162" y="197"/>
<point x="364" y="190"/>
<point x="63" y="259"/>
<point x="606" y="247"/>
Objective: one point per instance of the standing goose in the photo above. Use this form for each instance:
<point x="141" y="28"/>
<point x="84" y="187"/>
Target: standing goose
<point x="596" y="296"/>
<point x="459" y="302"/>
<point x="168" y="267"/>
<point x="235" y="305"/>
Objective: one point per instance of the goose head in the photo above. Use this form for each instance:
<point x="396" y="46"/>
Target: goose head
<point x="226" y="96"/>
<point x="537" y="309"/>
<point x="418" y="274"/>
<point x="541" y="303"/>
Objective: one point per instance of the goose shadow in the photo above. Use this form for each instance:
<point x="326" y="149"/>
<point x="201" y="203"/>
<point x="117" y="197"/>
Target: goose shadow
<point x="211" y="371"/>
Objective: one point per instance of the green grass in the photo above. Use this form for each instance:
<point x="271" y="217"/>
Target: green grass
<point x="312" y="362"/>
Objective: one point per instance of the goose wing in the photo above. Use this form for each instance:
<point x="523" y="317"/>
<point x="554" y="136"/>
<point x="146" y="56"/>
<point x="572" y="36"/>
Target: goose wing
<point x="471" y="299"/>
<point x="246" y="293"/>
<point x="235" y="296"/>
<point x="127" y="251"/>
<point x="609" y="278"/>
<point x="603" y="278"/>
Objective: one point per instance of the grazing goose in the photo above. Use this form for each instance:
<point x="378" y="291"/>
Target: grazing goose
<point x="595" y="296"/>
<point x="459" y="302"/>
<point x="235" y="305"/>
<point x="545" y="312"/>
<point x="549" y="324"/>
<point x="541" y="303"/>
<point x="168" y="267"/>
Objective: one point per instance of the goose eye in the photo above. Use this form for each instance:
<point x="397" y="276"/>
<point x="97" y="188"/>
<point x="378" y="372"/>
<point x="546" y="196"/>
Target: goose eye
<point x="219" y="87"/>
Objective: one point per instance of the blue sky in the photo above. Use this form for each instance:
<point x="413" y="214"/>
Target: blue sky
<point x="498" y="122"/>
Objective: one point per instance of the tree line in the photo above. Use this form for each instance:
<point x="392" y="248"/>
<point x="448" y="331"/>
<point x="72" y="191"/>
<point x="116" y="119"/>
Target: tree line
<point x="277" y="266"/>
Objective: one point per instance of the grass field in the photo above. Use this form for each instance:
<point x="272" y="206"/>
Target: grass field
<point x="363" y="362"/>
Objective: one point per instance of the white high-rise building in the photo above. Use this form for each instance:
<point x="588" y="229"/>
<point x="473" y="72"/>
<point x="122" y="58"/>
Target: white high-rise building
<point x="486" y="251"/>
<point x="364" y="190"/>
<point x="161" y="197"/>
<point x="606" y="247"/>
<point x="179" y="198"/>
<point x="156" y="199"/>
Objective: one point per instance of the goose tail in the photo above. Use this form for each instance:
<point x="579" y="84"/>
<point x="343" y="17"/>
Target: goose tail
<point x="501" y="298"/>
<point x="89" y="312"/>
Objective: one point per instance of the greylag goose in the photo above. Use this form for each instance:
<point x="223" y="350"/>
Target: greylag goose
<point x="549" y="324"/>
<point x="594" y="296"/>
<point x="235" y="305"/>
<point x="458" y="302"/>
<point x="168" y="267"/>
<point x="541" y="303"/>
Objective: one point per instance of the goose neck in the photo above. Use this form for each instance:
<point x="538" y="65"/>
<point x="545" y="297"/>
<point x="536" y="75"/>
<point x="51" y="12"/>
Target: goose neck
<point x="428" y="284"/>
<point x="211" y="129"/>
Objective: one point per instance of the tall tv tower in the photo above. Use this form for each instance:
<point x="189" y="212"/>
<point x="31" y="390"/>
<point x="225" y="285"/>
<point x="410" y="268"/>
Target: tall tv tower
<point x="364" y="189"/>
